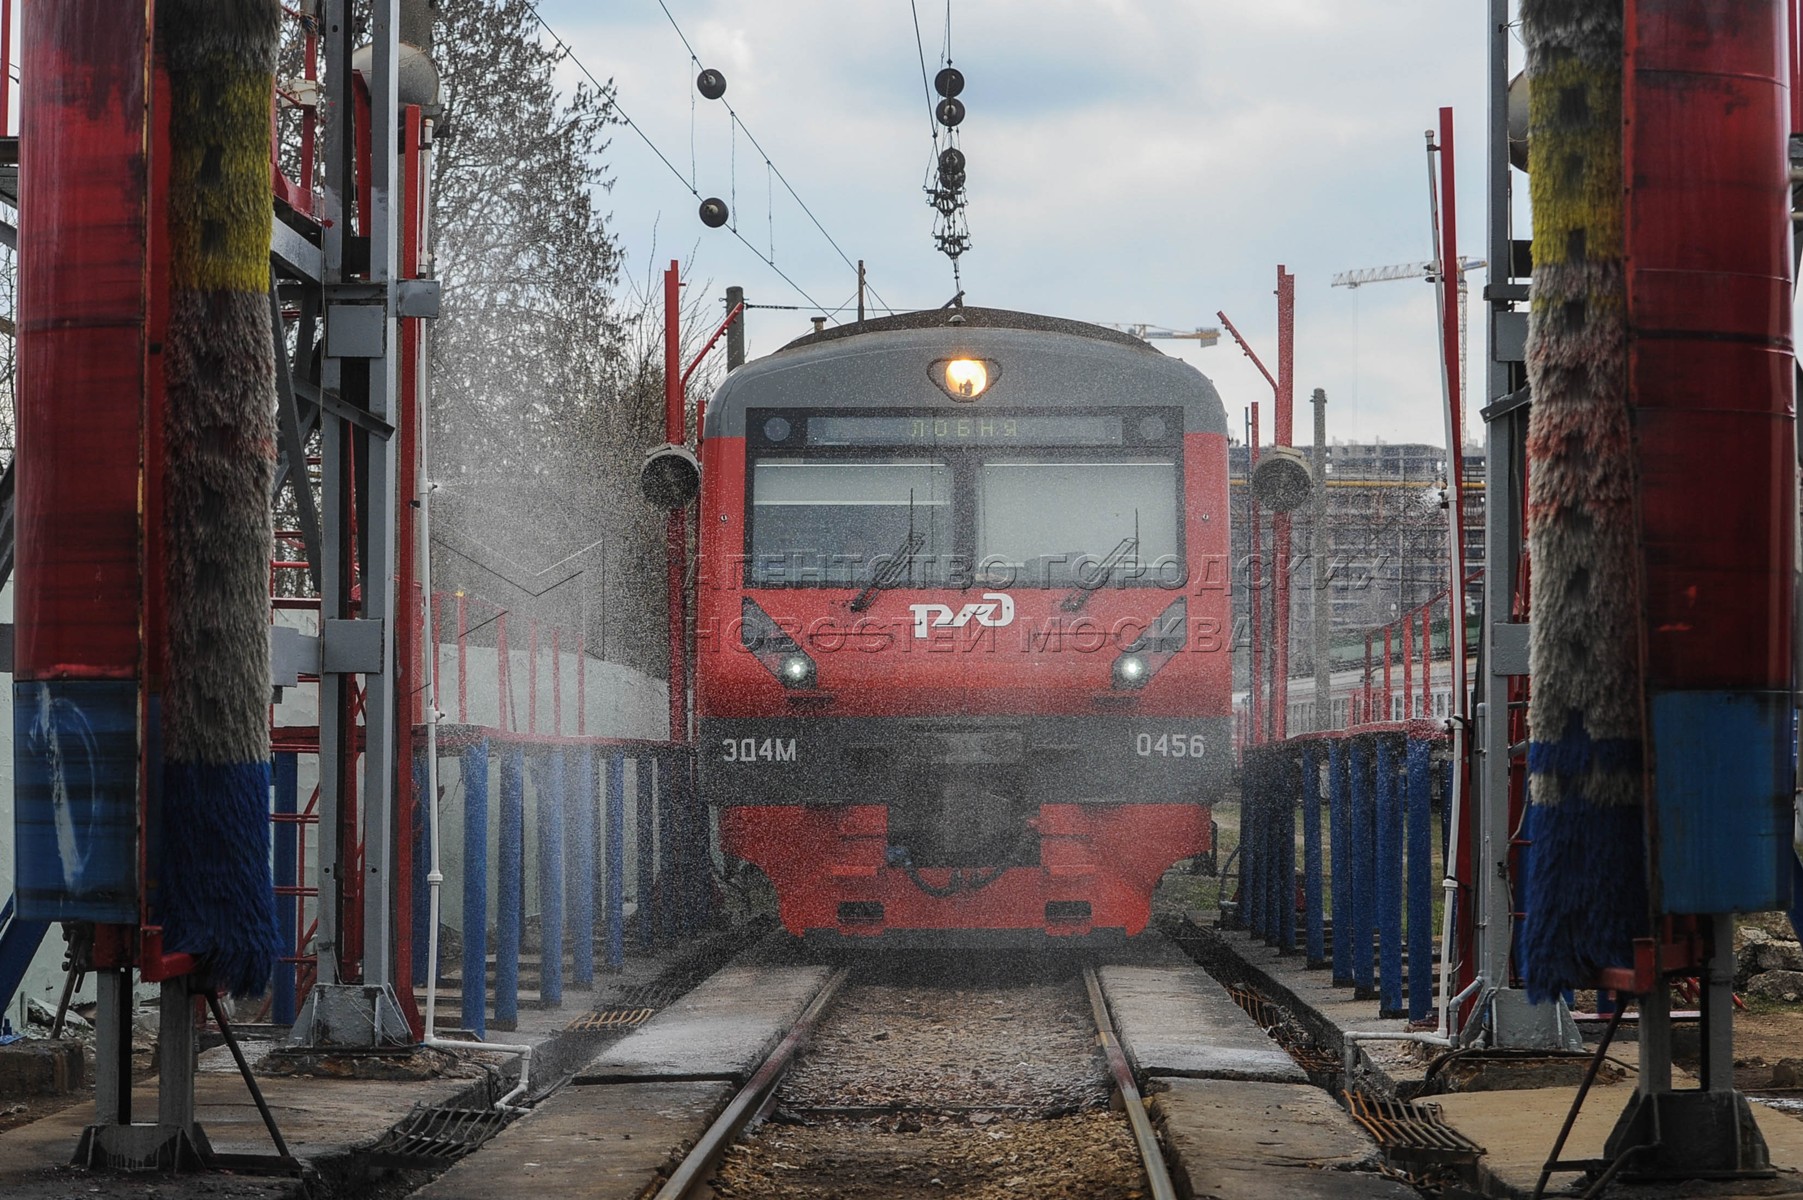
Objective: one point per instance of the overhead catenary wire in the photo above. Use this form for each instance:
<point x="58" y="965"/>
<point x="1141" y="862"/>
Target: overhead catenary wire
<point x="739" y="125"/>
<point x="570" y="53"/>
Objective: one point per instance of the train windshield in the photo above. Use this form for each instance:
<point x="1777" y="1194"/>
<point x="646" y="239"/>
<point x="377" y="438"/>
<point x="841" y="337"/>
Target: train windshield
<point x="1010" y="498"/>
<point x="1055" y="522"/>
<point x="835" y="524"/>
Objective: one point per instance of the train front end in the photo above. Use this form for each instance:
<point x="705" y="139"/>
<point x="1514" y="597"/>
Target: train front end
<point x="963" y="631"/>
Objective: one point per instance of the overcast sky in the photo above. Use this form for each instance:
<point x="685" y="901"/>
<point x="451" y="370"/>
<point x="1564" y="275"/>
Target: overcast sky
<point x="1130" y="161"/>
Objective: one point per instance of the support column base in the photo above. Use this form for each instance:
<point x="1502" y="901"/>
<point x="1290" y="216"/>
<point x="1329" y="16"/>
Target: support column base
<point x="163" y="1148"/>
<point x="1689" y="1135"/>
<point x="349" y="1016"/>
<point x="1516" y="1024"/>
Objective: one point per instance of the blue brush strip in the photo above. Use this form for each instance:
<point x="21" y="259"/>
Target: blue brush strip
<point x="217" y="892"/>
<point x="1576" y="753"/>
<point x="1586" y="867"/>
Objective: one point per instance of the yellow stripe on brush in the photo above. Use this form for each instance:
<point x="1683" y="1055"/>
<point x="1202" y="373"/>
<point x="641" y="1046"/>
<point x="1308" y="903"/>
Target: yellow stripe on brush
<point x="1574" y="118"/>
<point x="219" y="206"/>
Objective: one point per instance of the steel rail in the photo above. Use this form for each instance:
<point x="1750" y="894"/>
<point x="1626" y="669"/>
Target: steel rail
<point x="700" y="1161"/>
<point x="1158" y="1176"/>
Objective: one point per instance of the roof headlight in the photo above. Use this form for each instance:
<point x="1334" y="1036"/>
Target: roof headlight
<point x="964" y="378"/>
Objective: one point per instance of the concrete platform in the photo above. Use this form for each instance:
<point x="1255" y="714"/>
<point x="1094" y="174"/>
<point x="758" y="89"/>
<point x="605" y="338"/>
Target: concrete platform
<point x="604" y="1142"/>
<point x="1177" y="1022"/>
<point x="1516" y="1128"/>
<point x="1327" y="1011"/>
<point x="720" y="1031"/>
<point x="1240" y="1140"/>
<point x="321" y="1119"/>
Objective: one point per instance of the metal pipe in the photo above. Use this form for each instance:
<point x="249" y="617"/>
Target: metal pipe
<point x="1350" y="1039"/>
<point x="435" y="875"/>
<point x="1318" y="554"/>
<point x="1449" y="885"/>
<point x="1280" y="522"/>
<point x="1445" y="233"/>
<point x="1255" y="580"/>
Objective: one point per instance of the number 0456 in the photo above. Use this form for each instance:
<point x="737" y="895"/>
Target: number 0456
<point x="1169" y="745"/>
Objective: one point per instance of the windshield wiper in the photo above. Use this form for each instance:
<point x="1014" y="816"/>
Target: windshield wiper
<point x="1079" y="595"/>
<point x="893" y="571"/>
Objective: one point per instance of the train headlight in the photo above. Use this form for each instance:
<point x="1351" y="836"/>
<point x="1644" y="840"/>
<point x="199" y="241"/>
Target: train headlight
<point x="780" y="654"/>
<point x="796" y="671"/>
<point x="1130" y="671"/>
<point x="965" y="379"/>
<point x="1156" y="645"/>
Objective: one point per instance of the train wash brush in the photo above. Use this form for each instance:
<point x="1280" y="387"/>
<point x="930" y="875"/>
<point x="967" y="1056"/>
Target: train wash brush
<point x="217" y="893"/>
<point x="1587" y="864"/>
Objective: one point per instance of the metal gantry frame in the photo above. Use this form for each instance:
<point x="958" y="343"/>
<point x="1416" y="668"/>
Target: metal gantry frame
<point x="343" y="273"/>
<point x="1503" y="640"/>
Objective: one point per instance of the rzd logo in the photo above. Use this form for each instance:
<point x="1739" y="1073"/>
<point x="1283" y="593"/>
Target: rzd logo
<point x="995" y="608"/>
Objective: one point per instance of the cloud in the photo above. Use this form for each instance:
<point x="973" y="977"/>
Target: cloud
<point x="1131" y="160"/>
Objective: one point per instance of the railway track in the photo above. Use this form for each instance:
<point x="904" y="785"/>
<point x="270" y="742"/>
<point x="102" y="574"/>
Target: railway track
<point x="887" y="1086"/>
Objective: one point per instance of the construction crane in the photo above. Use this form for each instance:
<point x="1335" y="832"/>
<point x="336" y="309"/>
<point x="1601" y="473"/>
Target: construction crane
<point x="1146" y="332"/>
<point x="1415" y="270"/>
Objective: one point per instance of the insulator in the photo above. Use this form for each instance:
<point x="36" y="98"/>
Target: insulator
<point x="711" y="84"/>
<point x="951" y="161"/>
<point x="948" y="83"/>
<point x="950" y="112"/>
<point x="713" y="212"/>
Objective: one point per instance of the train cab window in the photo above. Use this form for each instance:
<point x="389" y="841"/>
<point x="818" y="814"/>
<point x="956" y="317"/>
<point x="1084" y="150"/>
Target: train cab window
<point x="836" y="523"/>
<point x="1060" y="522"/>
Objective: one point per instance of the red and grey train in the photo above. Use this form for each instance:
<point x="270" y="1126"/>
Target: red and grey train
<point x="963" y="623"/>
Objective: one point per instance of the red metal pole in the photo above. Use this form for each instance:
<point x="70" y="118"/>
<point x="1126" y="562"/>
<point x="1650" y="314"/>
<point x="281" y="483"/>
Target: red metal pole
<point x="1450" y="275"/>
<point x="556" y="682"/>
<point x="463" y="659"/>
<point x="1408" y="666"/>
<point x="1280" y="523"/>
<point x="1427" y="661"/>
<point x="1367" y="686"/>
<point x="1255" y="576"/>
<point x="503" y="680"/>
<point x="1796" y="65"/>
<point x="532" y="675"/>
<point x="6" y="63"/>
<point x="414" y="628"/>
<point x="676" y="526"/>
<point x="1389" y="695"/>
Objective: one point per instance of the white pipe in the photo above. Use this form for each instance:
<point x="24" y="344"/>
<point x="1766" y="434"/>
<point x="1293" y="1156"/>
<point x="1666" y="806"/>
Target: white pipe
<point x="434" y="876"/>
<point x="1351" y="1038"/>
<point x="1449" y="884"/>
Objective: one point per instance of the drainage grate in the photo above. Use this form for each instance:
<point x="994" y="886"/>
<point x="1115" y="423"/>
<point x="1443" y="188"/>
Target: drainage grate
<point x="433" y="1136"/>
<point x="627" y="1017"/>
<point x="1257" y="1007"/>
<point x="1412" y="1134"/>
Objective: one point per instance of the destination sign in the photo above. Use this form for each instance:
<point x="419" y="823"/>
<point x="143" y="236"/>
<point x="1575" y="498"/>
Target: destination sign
<point x="959" y="429"/>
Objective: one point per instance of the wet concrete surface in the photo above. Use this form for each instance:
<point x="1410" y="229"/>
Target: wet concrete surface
<point x="1241" y="1140"/>
<point x="326" y="1116"/>
<point x="318" y="1117"/>
<point x="1516" y="1128"/>
<point x="721" y="1030"/>
<point x="1177" y="1022"/>
<point x="599" y="1142"/>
